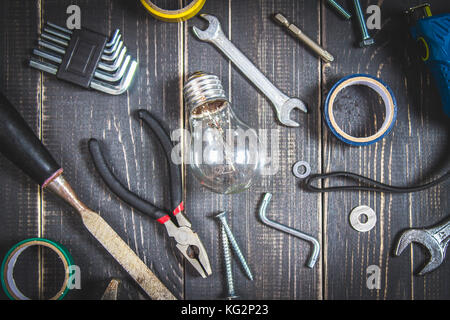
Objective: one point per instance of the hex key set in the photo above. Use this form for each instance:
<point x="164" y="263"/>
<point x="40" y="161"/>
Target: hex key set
<point x="86" y="58"/>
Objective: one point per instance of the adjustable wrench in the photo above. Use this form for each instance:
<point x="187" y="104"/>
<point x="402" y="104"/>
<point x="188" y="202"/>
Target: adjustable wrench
<point x="435" y="239"/>
<point x="282" y="103"/>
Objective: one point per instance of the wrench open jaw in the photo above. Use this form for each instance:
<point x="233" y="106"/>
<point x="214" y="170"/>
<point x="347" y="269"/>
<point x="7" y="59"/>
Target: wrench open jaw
<point x="428" y="240"/>
<point x="211" y="32"/>
<point x="282" y="103"/>
<point x="284" y="111"/>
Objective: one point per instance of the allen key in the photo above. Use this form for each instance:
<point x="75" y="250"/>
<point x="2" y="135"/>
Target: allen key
<point x="61" y="39"/>
<point x="63" y="34"/>
<point x="95" y="84"/>
<point x="115" y="38"/>
<point x="315" y="244"/>
<point x="114" y="77"/>
<point x="100" y="64"/>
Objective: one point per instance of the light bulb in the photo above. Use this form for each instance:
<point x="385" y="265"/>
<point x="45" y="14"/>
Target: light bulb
<point x="224" y="151"/>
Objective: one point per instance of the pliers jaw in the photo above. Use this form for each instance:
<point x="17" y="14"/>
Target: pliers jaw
<point x="189" y="244"/>
<point x="188" y="241"/>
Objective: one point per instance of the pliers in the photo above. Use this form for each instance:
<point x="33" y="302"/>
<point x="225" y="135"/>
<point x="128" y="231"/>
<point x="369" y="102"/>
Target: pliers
<point x="188" y="241"/>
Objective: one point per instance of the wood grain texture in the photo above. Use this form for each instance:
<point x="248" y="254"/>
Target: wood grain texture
<point x="277" y="260"/>
<point x="66" y="116"/>
<point x="130" y="149"/>
<point x="19" y="195"/>
<point x="416" y="148"/>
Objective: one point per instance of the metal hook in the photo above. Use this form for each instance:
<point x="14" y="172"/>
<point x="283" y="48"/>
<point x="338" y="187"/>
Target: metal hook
<point x="315" y="244"/>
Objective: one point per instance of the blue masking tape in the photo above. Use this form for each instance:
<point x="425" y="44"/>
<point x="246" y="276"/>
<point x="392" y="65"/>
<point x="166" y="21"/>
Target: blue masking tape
<point x="378" y="86"/>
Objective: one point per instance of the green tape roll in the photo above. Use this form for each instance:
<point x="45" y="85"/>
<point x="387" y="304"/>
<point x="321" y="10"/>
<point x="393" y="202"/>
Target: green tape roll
<point x="7" y="268"/>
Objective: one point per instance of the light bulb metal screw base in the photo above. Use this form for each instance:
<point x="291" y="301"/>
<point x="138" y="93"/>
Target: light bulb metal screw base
<point x="201" y="88"/>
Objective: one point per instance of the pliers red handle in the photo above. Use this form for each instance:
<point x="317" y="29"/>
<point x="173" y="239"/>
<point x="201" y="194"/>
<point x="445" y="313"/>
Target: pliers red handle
<point x="187" y="240"/>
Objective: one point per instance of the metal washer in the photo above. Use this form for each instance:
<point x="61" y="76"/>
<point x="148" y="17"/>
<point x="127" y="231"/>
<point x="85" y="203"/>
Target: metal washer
<point x="301" y="164"/>
<point x="356" y="223"/>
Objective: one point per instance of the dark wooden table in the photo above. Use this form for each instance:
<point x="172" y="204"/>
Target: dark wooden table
<point x="65" y="117"/>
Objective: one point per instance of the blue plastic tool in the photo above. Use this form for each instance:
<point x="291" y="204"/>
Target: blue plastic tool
<point x="433" y="34"/>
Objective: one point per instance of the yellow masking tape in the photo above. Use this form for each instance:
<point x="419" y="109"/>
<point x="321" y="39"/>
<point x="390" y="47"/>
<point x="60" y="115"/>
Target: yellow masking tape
<point x="427" y="49"/>
<point x="174" y="15"/>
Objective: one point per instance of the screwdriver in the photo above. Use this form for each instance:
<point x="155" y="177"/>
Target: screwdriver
<point x="19" y="144"/>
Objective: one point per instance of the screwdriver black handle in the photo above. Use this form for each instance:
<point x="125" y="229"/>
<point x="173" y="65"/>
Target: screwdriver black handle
<point x="21" y="146"/>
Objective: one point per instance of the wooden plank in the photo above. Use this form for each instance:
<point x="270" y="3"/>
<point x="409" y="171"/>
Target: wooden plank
<point x="402" y="158"/>
<point x="277" y="260"/>
<point x="200" y="203"/>
<point x="22" y="87"/>
<point x="67" y="116"/>
<point x="72" y="115"/>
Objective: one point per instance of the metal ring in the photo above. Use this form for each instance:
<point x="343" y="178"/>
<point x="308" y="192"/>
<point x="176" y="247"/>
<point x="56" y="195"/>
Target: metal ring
<point x="174" y="15"/>
<point x="7" y="268"/>
<point x="301" y="164"/>
<point x="385" y="93"/>
<point x="355" y="218"/>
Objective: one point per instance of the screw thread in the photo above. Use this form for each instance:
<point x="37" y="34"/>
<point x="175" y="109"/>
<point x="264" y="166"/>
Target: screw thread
<point x="227" y="259"/>
<point x="340" y="9"/>
<point x="202" y="87"/>
<point x="361" y="20"/>
<point x="236" y="248"/>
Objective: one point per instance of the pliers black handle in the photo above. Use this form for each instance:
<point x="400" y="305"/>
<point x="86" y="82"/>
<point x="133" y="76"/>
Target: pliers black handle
<point x="183" y="234"/>
<point x="130" y="197"/>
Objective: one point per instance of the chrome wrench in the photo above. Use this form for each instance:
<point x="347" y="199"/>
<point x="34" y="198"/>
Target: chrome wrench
<point x="282" y="103"/>
<point x="435" y="239"/>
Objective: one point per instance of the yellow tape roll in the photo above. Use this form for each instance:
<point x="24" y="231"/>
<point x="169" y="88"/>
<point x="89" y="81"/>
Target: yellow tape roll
<point x="174" y="15"/>
<point x="427" y="49"/>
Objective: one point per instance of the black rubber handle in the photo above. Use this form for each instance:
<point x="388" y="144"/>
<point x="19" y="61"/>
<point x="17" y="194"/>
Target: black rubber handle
<point x="20" y="145"/>
<point x="165" y="141"/>
<point x="117" y="187"/>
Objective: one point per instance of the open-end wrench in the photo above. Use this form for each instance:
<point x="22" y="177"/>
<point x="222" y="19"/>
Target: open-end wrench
<point x="435" y="239"/>
<point x="282" y="103"/>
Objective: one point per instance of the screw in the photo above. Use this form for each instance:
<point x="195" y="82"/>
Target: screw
<point x="367" y="40"/>
<point x="227" y="257"/>
<point x="234" y="245"/>
<point x="340" y="9"/>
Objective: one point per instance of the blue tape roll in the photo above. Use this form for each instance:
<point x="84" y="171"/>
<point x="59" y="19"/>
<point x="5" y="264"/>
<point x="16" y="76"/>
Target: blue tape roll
<point x="385" y="93"/>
